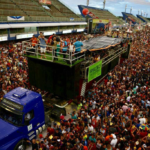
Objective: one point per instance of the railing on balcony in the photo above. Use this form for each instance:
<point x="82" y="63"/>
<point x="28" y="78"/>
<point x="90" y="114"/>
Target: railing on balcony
<point x="51" y="54"/>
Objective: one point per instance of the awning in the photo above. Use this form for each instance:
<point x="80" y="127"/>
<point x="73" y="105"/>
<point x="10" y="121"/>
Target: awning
<point x="72" y="23"/>
<point x="4" y="26"/>
<point x="23" y="25"/>
<point x="47" y="24"/>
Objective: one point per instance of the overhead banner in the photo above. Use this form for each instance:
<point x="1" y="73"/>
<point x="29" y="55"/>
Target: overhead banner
<point x="71" y="19"/>
<point x="95" y="71"/>
<point x="24" y="36"/>
<point x="67" y="31"/>
<point x="97" y="24"/>
<point x="48" y="2"/>
<point x="3" y="38"/>
<point x="12" y="18"/>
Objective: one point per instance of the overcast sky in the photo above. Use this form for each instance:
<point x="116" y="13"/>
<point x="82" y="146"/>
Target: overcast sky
<point x="114" y="6"/>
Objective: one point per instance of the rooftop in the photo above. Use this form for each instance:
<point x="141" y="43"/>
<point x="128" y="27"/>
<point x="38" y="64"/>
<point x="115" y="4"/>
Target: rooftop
<point x="22" y="96"/>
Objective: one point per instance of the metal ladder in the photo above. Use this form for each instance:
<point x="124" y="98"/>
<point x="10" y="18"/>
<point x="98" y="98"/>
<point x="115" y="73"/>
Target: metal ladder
<point x="83" y="88"/>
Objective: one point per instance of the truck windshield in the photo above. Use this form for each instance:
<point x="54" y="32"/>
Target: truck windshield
<point x="12" y="116"/>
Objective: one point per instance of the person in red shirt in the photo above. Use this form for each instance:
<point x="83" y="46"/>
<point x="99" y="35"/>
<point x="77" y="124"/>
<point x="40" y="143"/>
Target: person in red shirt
<point x="78" y="127"/>
<point x="50" y="39"/>
<point x="106" y="80"/>
<point x="94" y="122"/>
<point x="68" y="40"/>
<point x="50" y="131"/>
<point x="92" y="146"/>
<point x="8" y="64"/>
<point x="34" y="41"/>
<point x="143" y="134"/>
<point x="42" y="145"/>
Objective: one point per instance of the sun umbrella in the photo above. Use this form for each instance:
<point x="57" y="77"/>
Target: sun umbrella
<point x="144" y="127"/>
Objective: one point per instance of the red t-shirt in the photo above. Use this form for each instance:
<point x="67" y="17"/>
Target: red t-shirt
<point x="78" y="128"/>
<point x="94" y="123"/>
<point x="10" y="50"/>
<point x="8" y="64"/>
<point x="50" y="131"/>
<point x="143" y="134"/>
<point x="50" y="38"/>
<point x="106" y="80"/>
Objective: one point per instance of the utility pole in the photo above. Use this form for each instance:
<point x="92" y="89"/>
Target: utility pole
<point x="130" y="10"/>
<point x="104" y="4"/>
<point x="87" y="2"/>
<point x="138" y="12"/>
<point x="141" y="13"/>
<point x="125" y="7"/>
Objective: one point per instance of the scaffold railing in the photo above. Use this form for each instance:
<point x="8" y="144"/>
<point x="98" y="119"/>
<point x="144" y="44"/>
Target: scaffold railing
<point x="106" y="60"/>
<point x="52" y="53"/>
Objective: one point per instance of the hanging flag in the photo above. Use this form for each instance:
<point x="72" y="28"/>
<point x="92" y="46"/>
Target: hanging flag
<point x="11" y="18"/>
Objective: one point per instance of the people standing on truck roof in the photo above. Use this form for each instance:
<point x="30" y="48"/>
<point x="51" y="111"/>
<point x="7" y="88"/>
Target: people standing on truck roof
<point x="34" y="41"/>
<point x="42" y="41"/>
<point x="65" y="48"/>
<point x="55" y="48"/>
<point x="71" y="49"/>
<point x="78" y="44"/>
<point x="50" y="39"/>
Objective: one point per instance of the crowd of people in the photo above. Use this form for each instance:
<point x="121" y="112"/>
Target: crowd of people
<point x="14" y="66"/>
<point x="114" y="115"/>
<point x="64" y="45"/>
<point x="58" y="44"/>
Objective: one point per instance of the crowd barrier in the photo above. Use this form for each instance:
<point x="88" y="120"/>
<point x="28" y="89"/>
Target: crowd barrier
<point x="51" y="53"/>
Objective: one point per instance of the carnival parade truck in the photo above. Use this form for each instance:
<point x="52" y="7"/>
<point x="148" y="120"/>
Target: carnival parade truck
<point x="22" y="118"/>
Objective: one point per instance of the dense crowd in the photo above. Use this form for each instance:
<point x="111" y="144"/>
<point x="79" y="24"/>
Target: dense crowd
<point x="114" y="115"/>
<point x="13" y="69"/>
<point x="14" y="66"/>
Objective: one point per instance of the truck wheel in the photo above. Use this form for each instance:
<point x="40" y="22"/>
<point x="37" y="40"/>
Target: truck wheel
<point x="20" y="145"/>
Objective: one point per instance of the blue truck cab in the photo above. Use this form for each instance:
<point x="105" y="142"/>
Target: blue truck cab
<point x="22" y="118"/>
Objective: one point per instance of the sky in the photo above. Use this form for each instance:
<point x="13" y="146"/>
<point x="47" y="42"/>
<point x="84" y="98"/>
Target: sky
<point x="114" y="6"/>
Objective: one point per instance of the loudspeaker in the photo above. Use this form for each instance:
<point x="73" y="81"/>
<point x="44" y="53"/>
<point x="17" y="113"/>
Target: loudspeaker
<point x="55" y="78"/>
